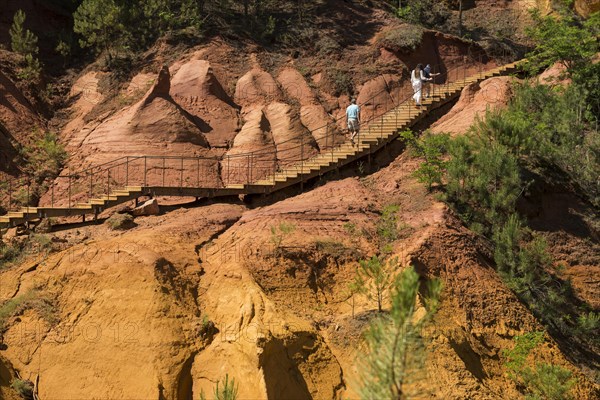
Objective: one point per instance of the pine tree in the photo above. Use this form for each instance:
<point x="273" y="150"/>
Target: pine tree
<point x="101" y="25"/>
<point x="23" y="41"/>
<point x="374" y="278"/>
<point x="229" y="390"/>
<point x="396" y="351"/>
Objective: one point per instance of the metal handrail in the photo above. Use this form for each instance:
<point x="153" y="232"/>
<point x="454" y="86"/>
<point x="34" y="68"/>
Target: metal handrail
<point x="275" y="160"/>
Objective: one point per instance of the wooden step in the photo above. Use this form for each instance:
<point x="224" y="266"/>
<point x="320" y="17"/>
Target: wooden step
<point x="29" y="210"/>
<point x="316" y="165"/>
<point x="264" y="182"/>
<point x="98" y="202"/>
<point x="83" y="207"/>
<point x="235" y="186"/>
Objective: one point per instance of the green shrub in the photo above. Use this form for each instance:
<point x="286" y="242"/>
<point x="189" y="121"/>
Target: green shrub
<point x="483" y="181"/>
<point x="406" y="37"/>
<point x="589" y="323"/>
<point x="327" y="46"/>
<point x="278" y="233"/>
<point x="335" y="250"/>
<point x="350" y="228"/>
<point x="341" y="81"/>
<point x="543" y="381"/>
<point x="432" y="149"/>
<point x="110" y="27"/>
<point x="429" y="13"/>
<point x="25" y="42"/>
<point x="33" y="299"/>
<point x="228" y="391"/>
<point x="120" y="222"/>
<point x="23" y="387"/>
<point x="8" y="253"/>
<point x="524" y="344"/>
<point x="45" y="159"/>
<point x="32" y="70"/>
<point x="547" y="381"/>
<point x="387" y="226"/>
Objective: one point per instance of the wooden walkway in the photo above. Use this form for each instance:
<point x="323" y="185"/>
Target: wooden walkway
<point x="374" y="137"/>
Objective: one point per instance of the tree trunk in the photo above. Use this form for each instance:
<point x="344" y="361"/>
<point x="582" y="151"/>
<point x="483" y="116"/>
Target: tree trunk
<point x="460" y="10"/>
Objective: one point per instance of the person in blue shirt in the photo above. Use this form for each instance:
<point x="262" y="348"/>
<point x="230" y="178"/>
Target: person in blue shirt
<point x="353" y="115"/>
<point x="428" y="79"/>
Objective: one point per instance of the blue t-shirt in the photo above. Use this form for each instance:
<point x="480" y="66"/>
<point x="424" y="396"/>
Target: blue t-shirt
<point x="427" y="71"/>
<point x="353" y="111"/>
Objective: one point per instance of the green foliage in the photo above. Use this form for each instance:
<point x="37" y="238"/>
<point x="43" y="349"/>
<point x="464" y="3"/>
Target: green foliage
<point x="270" y="26"/>
<point x="25" y="42"/>
<point x="341" y="81"/>
<point x="45" y="159"/>
<point x="32" y="69"/>
<point x="574" y="44"/>
<point x="120" y="222"/>
<point x="566" y="40"/>
<point x="8" y="253"/>
<point x="335" y="250"/>
<point x="543" y="381"/>
<point x="115" y="26"/>
<point x="432" y="148"/>
<point x="36" y="244"/>
<point x="483" y="181"/>
<point x="374" y="279"/>
<point x="507" y="241"/>
<point x="395" y="348"/>
<point x="589" y="323"/>
<point x="524" y="264"/>
<point x="350" y="228"/>
<point x="429" y="13"/>
<point x="33" y="299"/>
<point x="551" y="128"/>
<point x="228" y="391"/>
<point x="407" y="37"/>
<point x="549" y="382"/>
<point x="101" y="25"/>
<point x="278" y="233"/>
<point x="22" y="40"/>
<point x="387" y="227"/>
<point x="544" y="130"/>
<point x="516" y="357"/>
<point x="23" y="387"/>
<point x="64" y="49"/>
<point x="327" y="45"/>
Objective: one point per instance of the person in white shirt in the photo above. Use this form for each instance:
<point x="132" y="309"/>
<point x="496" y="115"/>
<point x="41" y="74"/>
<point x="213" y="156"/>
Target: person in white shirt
<point x="417" y="78"/>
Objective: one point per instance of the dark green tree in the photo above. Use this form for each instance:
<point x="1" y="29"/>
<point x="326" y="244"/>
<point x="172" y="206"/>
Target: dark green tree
<point x="22" y="40"/>
<point x="565" y="39"/>
<point x="573" y="43"/>
<point x="100" y="23"/>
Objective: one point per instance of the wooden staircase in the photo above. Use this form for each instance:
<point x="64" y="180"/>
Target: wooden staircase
<point x="371" y="139"/>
